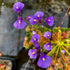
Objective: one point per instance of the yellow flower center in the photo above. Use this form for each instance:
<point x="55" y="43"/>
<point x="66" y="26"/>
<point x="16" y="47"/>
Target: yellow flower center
<point x="19" y="21"/>
<point x="38" y="15"/>
<point x="29" y="17"/>
<point x="35" y="39"/>
<point x="35" y="20"/>
<point x="16" y="7"/>
<point x="33" y="53"/>
<point x="48" y="35"/>
<point x="49" y="20"/>
<point x="43" y="59"/>
<point x="60" y="31"/>
<point x="48" y="45"/>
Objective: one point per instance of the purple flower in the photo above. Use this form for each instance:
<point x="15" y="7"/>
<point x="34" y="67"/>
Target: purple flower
<point x="18" y="6"/>
<point x="63" y="51"/>
<point x="39" y="14"/>
<point x="49" y="20"/>
<point x="29" y="17"/>
<point x="47" y="34"/>
<point x="36" y="18"/>
<point x="33" y="32"/>
<point x="48" y="46"/>
<point x="32" y="53"/>
<point x="35" y="38"/>
<point x="44" y="61"/>
<point x="33" y="21"/>
<point x="37" y="46"/>
<point x="19" y="24"/>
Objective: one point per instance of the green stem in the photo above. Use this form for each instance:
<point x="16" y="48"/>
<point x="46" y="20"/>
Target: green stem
<point x="53" y="42"/>
<point x="64" y="60"/>
<point x="66" y="44"/>
<point x="26" y="21"/>
<point x="56" y="54"/>
<point x="52" y="50"/>
<point x="60" y="49"/>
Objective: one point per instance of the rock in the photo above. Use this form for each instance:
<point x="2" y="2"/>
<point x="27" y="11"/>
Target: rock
<point x="8" y="34"/>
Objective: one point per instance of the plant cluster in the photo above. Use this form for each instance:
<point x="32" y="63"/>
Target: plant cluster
<point x="41" y="41"/>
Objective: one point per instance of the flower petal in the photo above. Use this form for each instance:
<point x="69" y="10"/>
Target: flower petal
<point x="18" y="6"/>
<point x="29" y="17"/>
<point x="19" y="24"/>
<point x="49" y="20"/>
<point x="39" y="14"/>
<point x="48" y="46"/>
<point x="33" y="32"/>
<point x="33" y="21"/>
<point x="32" y="53"/>
<point x="47" y="34"/>
<point x="37" y="46"/>
<point x="44" y="61"/>
<point x="35" y="38"/>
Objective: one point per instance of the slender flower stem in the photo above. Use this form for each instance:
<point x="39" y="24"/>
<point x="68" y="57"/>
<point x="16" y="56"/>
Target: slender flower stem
<point x="16" y="43"/>
<point x="26" y="21"/>
<point x="66" y="44"/>
<point x="41" y="23"/>
<point x="66" y="50"/>
<point x="27" y="64"/>
<point x="64" y="60"/>
<point x="53" y="42"/>
<point x="64" y="17"/>
<point x="63" y="57"/>
<point x="52" y="50"/>
<point x="56" y="54"/>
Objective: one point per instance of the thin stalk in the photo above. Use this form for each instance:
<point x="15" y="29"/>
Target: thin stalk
<point x="66" y="44"/>
<point x="64" y="16"/>
<point x="56" y="53"/>
<point x="27" y="21"/>
<point x="63" y="57"/>
<point x="52" y="50"/>
<point x="27" y="64"/>
<point x="59" y="35"/>
<point x="64" y="60"/>
<point x="15" y="44"/>
<point x="53" y="42"/>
